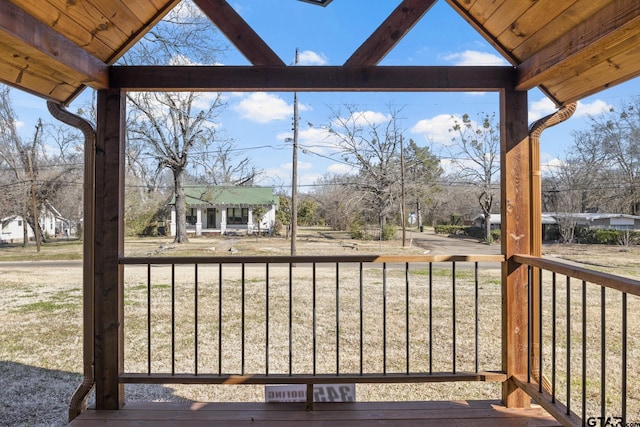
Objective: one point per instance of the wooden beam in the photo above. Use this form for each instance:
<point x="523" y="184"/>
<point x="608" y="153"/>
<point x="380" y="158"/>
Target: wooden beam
<point x="239" y="32"/>
<point x="606" y="30"/>
<point x="515" y="187"/>
<point x="108" y="248"/>
<point x="390" y="32"/>
<point x="42" y="42"/>
<point x="312" y="79"/>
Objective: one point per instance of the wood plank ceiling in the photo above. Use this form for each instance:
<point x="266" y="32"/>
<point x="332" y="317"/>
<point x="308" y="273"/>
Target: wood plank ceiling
<point x="569" y="49"/>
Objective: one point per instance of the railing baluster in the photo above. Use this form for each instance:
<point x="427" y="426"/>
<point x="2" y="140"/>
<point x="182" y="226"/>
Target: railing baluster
<point x="406" y="314"/>
<point x="361" y="318"/>
<point x="568" y="345"/>
<point x="540" y="370"/>
<point x="603" y="354"/>
<point x="430" y="317"/>
<point x="315" y="320"/>
<point x="553" y="338"/>
<point x="476" y="317"/>
<point x="148" y="319"/>
<point x="266" y="347"/>
<point x="529" y="320"/>
<point x="290" y="317"/>
<point x="584" y="350"/>
<point x="242" y="319"/>
<point x="219" y="319"/>
<point x="337" y="318"/>
<point x="173" y="319"/>
<point x="453" y="314"/>
<point x="384" y="318"/>
<point x="195" y="320"/>
<point x="624" y="356"/>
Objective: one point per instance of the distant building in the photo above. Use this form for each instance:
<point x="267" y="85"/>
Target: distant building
<point x="51" y="223"/>
<point x="606" y="221"/>
<point x="227" y="209"/>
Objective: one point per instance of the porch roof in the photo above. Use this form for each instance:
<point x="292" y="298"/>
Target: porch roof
<point x="569" y="49"/>
<point x="229" y="196"/>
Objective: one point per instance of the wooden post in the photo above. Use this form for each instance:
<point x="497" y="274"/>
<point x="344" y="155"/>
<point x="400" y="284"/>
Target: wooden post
<point x="108" y="247"/>
<point x="516" y="220"/>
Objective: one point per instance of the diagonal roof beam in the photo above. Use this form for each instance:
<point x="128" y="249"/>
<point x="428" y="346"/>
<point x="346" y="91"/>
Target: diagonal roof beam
<point x="239" y="32"/>
<point x="41" y="41"/>
<point x="390" y="32"/>
<point x="616" y="23"/>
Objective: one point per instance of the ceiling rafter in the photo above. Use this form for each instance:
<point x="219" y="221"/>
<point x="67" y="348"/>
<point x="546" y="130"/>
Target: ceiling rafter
<point x="248" y="42"/>
<point x="39" y="40"/>
<point x="491" y="38"/>
<point x="390" y="32"/>
<point x="605" y="31"/>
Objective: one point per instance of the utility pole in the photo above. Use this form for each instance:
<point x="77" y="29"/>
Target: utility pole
<point x="294" y="173"/>
<point x="34" y="205"/>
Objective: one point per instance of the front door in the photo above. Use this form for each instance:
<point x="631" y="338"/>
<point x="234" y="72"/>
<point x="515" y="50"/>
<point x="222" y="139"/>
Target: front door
<point x="211" y="217"/>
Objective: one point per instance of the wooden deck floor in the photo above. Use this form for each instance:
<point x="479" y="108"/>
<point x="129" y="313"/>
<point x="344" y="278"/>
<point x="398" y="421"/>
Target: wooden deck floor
<point x="462" y="413"/>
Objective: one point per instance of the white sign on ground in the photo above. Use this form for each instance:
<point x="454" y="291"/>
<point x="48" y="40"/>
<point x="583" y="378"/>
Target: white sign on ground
<point x="321" y="393"/>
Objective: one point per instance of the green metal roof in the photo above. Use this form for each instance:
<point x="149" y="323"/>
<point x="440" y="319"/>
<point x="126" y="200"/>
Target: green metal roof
<point x="229" y="196"/>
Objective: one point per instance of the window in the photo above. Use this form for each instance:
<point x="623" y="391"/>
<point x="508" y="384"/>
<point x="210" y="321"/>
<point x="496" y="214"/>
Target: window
<point x="237" y="215"/>
<point x="191" y="216"/>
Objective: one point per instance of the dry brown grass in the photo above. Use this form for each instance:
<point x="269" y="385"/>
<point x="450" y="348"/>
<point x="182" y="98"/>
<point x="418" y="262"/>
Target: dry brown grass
<point x="40" y="355"/>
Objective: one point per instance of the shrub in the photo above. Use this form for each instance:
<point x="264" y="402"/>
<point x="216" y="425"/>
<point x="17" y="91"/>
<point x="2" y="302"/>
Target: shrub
<point x="389" y="232"/>
<point x="355" y="230"/>
<point x="277" y="227"/>
<point x="450" y="229"/>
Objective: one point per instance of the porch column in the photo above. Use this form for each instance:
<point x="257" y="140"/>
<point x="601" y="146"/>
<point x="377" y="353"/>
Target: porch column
<point x="198" y="221"/>
<point x="172" y="226"/>
<point x="223" y="220"/>
<point x="108" y="247"/>
<point x="516" y="219"/>
<point x="250" y="221"/>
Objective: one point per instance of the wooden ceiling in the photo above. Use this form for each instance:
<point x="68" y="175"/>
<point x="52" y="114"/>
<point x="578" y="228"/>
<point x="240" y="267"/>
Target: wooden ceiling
<point x="569" y="48"/>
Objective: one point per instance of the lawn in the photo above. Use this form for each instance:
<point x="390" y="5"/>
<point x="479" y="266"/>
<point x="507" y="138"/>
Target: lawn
<point x="41" y="359"/>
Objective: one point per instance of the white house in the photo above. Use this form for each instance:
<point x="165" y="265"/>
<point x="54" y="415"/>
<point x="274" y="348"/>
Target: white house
<point x="227" y="209"/>
<point x="51" y="223"/>
<point x="608" y="221"/>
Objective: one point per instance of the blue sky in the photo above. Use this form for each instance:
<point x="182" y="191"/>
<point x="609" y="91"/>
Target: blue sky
<point x="260" y="123"/>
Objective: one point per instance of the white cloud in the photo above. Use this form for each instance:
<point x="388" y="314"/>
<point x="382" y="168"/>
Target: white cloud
<point x="308" y="57"/>
<point x="365" y="118"/>
<point x="265" y="107"/>
<point x="435" y="129"/>
<point x="544" y="106"/>
<point x="592" y="108"/>
<point x="474" y="57"/>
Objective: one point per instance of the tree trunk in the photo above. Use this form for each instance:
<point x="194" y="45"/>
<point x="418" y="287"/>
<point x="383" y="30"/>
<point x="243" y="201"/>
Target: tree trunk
<point x="487" y="227"/>
<point x="181" y="207"/>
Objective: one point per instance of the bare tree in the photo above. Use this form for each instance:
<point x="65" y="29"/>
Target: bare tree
<point x="172" y="126"/>
<point x="35" y="170"/>
<point x="222" y="167"/>
<point x="616" y="134"/>
<point x="371" y="143"/>
<point x="167" y="127"/>
<point x="476" y="154"/>
<point x="422" y="172"/>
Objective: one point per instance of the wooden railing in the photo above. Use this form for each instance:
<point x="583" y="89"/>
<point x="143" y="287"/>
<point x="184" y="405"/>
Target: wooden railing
<point x="580" y="323"/>
<point x="312" y="319"/>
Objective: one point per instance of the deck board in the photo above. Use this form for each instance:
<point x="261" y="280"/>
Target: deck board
<point x="450" y="413"/>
